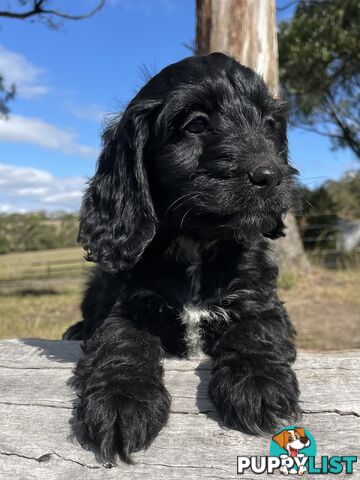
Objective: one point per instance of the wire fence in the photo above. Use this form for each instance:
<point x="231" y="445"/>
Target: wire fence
<point x="331" y="241"/>
<point x="42" y="268"/>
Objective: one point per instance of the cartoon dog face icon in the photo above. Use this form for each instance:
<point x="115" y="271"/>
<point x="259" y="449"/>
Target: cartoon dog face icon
<point x="292" y="440"/>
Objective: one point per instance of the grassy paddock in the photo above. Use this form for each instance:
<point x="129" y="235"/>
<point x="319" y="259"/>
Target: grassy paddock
<point x="43" y="313"/>
<point x="44" y="264"/>
<point x="324" y="305"/>
<point x="40" y="292"/>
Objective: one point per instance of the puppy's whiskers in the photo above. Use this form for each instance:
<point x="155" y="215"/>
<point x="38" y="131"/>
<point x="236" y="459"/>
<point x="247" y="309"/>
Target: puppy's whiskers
<point x="183" y="218"/>
<point x="187" y="200"/>
<point x="177" y="200"/>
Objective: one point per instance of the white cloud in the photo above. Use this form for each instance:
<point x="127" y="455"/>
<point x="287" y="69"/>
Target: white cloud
<point x="30" y="177"/>
<point x="19" y="129"/>
<point x="94" y="113"/>
<point x="6" y="208"/>
<point x="31" y="189"/>
<point x="16" y="69"/>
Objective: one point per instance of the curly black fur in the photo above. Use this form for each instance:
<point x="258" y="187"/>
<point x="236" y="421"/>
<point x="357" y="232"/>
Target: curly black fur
<point x="190" y="180"/>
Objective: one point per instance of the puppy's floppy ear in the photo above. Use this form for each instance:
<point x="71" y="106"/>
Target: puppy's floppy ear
<point x="117" y="217"/>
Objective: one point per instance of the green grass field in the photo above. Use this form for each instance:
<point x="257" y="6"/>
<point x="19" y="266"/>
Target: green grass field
<point x="45" y="314"/>
<point x="40" y="294"/>
<point x="44" y="264"/>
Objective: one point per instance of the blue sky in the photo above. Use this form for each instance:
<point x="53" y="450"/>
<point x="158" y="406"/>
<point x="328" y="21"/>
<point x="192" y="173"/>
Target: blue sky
<point x="67" y="80"/>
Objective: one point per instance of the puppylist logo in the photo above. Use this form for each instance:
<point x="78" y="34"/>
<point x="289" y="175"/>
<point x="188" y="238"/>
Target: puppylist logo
<point x="293" y="451"/>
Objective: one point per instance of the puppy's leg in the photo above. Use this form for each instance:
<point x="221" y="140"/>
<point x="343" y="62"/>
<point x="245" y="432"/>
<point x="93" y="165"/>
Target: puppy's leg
<point x="74" y="332"/>
<point x="252" y="383"/>
<point x="123" y="403"/>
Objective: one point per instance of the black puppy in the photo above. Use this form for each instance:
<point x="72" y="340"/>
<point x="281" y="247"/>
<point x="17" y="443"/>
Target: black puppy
<point x="190" y="180"/>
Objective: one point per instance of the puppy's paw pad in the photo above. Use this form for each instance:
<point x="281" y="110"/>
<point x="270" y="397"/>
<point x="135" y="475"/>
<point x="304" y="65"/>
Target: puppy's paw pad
<point x="121" y="421"/>
<point x="255" y="403"/>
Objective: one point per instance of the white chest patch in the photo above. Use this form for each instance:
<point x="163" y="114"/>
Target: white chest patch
<point x="196" y="312"/>
<point x="195" y="318"/>
<point x="191" y="318"/>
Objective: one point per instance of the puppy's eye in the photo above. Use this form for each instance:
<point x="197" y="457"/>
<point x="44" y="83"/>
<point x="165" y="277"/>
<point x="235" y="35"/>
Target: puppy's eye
<point x="197" y="125"/>
<point x="270" y="122"/>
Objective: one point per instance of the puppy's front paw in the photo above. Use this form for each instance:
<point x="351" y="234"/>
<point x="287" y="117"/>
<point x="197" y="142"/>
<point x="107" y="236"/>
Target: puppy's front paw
<point x="255" y="402"/>
<point x="121" y="419"/>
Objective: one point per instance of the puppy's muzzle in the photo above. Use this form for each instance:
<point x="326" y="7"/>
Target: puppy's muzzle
<point x="266" y="178"/>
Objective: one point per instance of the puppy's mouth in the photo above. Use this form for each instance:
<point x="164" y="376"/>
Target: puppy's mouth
<point x="249" y="227"/>
<point x="232" y="214"/>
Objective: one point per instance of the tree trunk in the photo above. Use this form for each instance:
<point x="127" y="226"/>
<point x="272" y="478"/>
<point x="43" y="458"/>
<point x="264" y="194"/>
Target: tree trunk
<point x="246" y="30"/>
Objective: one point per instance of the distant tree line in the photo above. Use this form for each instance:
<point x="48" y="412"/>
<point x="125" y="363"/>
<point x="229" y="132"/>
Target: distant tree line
<point x="324" y="206"/>
<point x="37" y="231"/>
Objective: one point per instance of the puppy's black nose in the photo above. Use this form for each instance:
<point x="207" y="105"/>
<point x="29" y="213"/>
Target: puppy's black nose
<point x="304" y="440"/>
<point x="268" y="178"/>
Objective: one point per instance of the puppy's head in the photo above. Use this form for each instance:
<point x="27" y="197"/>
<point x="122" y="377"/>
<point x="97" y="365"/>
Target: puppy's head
<point x="201" y="149"/>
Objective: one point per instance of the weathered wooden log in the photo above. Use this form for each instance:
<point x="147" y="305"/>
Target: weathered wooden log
<point x="36" y="408"/>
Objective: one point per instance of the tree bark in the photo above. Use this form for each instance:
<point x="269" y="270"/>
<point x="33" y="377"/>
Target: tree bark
<point x="246" y="30"/>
